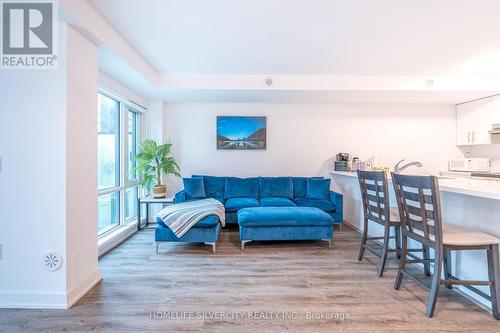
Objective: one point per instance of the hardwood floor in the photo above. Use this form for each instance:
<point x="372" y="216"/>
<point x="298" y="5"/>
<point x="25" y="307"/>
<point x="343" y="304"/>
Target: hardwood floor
<point x="144" y="291"/>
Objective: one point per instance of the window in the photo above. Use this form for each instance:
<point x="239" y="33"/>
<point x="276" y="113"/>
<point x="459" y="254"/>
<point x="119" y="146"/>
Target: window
<point x="117" y="181"/>
<point x="109" y="211"/>
<point x="108" y="141"/>
<point x="131" y="203"/>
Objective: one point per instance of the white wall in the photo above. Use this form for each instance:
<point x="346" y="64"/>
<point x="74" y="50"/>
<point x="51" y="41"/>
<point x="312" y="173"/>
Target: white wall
<point x="156" y="117"/>
<point x="48" y="179"/>
<point x="301" y="138"/>
<point x="33" y="182"/>
<point x="81" y="166"/>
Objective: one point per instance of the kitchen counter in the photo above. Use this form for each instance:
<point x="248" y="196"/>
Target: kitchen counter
<point x="469" y="203"/>
<point x="489" y="189"/>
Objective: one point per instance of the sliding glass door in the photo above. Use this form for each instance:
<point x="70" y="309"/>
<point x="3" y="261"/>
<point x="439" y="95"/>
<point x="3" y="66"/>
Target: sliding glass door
<point x="117" y="181"/>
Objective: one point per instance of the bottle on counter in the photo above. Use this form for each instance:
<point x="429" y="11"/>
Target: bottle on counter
<point x="370" y="163"/>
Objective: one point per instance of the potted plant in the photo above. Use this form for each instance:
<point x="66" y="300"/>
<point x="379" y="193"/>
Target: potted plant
<point x="153" y="160"/>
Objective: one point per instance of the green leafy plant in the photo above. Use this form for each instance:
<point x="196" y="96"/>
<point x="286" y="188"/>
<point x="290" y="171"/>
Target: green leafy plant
<point x="153" y="160"/>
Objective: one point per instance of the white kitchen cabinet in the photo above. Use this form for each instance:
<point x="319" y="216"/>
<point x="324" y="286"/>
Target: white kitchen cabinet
<point x="465" y="114"/>
<point x="474" y="120"/>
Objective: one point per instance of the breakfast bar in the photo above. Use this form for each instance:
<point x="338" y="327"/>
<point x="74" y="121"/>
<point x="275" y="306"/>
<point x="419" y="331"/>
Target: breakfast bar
<point x="474" y="204"/>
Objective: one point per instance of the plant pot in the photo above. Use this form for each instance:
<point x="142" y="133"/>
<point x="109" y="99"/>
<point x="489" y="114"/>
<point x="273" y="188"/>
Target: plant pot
<point x="159" y="191"/>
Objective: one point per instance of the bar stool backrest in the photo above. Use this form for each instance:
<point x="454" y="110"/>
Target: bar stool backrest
<point x="374" y="195"/>
<point x="419" y="206"/>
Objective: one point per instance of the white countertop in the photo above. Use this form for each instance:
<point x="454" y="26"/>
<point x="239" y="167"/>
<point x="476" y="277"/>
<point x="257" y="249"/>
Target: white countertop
<point x="477" y="188"/>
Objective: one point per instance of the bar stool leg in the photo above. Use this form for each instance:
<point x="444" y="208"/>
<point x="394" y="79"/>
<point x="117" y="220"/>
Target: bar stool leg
<point x="363" y="240"/>
<point x="427" y="265"/>
<point x="436" y="281"/>
<point x="397" y="240"/>
<point x="494" y="277"/>
<point x="447" y="267"/>
<point x="383" y="257"/>
<point x="402" y="262"/>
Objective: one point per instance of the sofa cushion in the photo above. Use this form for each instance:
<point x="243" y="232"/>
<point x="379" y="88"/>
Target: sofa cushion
<point x="276" y="202"/>
<point x="276" y="187"/>
<point x="194" y="188"/>
<point x="324" y="205"/>
<point x="241" y="188"/>
<point x="318" y="189"/>
<point x="209" y="221"/>
<point x="214" y="186"/>
<point x="283" y="216"/>
<point x="194" y="235"/>
<point x="233" y="204"/>
<point x="300" y="186"/>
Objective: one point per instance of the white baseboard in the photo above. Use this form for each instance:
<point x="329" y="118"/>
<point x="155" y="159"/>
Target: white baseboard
<point x="47" y="300"/>
<point x="352" y="226"/>
<point x="78" y="291"/>
<point x="35" y="300"/>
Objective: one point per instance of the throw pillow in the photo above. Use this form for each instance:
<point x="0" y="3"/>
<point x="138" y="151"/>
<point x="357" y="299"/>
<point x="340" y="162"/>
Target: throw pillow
<point x="318" y="189"/>
<point x="194" y="188"/>
<point x="300" y="186"/>
<point x="214" y="186"/>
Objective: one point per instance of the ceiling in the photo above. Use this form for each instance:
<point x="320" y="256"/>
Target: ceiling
<point x="311" y="37"/>
<point x="321" y="97"/>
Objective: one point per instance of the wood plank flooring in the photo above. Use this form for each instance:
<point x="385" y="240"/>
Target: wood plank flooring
<point x="271" y="287"/>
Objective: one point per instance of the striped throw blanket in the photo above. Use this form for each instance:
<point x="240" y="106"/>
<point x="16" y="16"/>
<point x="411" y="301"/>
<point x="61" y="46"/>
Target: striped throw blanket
<point x="183" y="216"/>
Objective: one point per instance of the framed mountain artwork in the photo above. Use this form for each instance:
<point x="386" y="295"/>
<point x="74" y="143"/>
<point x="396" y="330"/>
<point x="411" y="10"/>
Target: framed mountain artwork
<point x="241" y="132"/>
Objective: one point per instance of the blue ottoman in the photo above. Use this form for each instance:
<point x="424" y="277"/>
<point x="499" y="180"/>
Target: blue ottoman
<point x="205" y="231"/>
<point x="284" y="223"/>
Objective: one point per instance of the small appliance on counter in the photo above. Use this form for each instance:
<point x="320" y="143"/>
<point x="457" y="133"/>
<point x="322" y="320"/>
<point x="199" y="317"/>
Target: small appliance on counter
<point x="370" y="163"/>
<point x="343" y="162"/>
<point x="358" y="164"/>
<point x="470" y="165"/>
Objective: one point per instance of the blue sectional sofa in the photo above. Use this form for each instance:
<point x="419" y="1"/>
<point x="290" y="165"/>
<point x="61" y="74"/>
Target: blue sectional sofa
<point x="238" y="193"/>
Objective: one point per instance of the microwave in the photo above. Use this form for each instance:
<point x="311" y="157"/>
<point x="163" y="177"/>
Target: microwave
<point x="470" y="164"/>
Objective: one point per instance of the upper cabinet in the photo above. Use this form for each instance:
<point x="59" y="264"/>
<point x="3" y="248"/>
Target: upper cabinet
<point x="474" y="120"/>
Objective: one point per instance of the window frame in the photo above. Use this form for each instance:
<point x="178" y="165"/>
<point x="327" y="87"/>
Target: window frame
<point x="124" y="182"/>
<point x="129" y="183"/>
<point x="118" y="153"/>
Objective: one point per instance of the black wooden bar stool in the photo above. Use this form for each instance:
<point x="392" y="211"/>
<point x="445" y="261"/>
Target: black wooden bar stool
<point x="419" y="204"/>
<point x="376" y="208"/>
